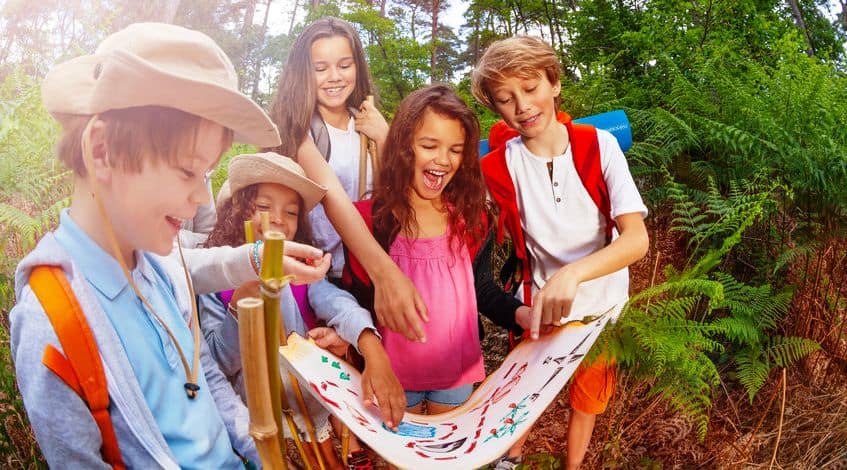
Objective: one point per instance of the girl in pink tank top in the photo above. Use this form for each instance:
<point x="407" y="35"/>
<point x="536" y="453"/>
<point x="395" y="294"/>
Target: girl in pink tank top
<point x="429" y="212"/>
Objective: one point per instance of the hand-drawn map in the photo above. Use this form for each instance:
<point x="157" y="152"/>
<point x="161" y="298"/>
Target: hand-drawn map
<point x="499" y="411"/>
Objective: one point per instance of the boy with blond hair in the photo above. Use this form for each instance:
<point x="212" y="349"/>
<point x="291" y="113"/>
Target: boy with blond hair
<point x="571" y="207"/>
<point x="105" y="334"/>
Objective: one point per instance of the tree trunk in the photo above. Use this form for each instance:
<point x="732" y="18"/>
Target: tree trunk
<point x="550" y="25"/>
<point x="414" y="18"/>
<point x="249" y="12"/>
<point x="293" y="17"/>
<point x="843" y="15"/>
<point x="798" y="19"/>
<point x="476" y="33"/>
<point x="434" y="40"/>
<point x="520" y="19"/>
<point x="257" y="70"/>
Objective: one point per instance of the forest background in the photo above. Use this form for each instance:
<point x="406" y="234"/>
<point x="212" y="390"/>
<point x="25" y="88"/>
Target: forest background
<point x="733" y="350"/>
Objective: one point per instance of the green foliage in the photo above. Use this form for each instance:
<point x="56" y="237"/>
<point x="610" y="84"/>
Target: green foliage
<point x="398" y="64"/>
<point x="707" y="216"/>
<point x="33" y="188"/>
<point x="676" y="333"/>
<point x="725" y="122"/>
<point x="220" y="173"/>
<point x="733" y="123"/>
<point x="33" y="184"/>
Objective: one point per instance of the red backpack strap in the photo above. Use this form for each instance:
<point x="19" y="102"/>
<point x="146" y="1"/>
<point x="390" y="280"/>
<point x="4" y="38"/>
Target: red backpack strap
<point x="80" y="367"/>
<point x="353" y="268"/>
<point x="586" y="158"/>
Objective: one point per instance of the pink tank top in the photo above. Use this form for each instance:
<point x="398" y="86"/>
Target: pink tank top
<point x="452" y="356"/>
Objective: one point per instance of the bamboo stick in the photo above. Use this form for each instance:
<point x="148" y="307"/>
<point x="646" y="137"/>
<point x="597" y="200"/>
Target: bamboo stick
<point x="345" y="443"/>
<point x="263" y="426"/>
<point x="248" y="231"/>
<point x="273" y="281"/>
<point x="276" y="275"/>
<point x="264" y="220"/>
<point x="271" y="276"/>
<point x="364" y="144"/>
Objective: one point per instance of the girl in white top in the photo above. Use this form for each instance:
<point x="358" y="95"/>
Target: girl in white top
<point x="320" y="108"/>
<point x="322" y="95"/>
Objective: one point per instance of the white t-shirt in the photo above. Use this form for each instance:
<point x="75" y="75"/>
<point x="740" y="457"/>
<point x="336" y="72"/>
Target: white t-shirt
<point x="562" y="224"/>
<point x="344" y="160"/>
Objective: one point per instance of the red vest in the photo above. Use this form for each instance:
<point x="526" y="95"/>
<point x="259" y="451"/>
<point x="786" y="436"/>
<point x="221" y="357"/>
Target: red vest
<point x="586" y="157"/>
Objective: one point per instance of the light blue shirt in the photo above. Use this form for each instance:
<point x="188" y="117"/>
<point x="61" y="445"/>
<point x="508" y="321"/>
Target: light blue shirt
<point x="193" y="429"/>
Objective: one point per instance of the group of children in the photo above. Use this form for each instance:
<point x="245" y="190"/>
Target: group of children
<point x="406" y="271"/>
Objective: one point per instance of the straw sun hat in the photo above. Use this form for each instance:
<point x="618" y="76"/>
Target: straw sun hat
<point x="269" y="167"/>
<point x="156" y="64"/>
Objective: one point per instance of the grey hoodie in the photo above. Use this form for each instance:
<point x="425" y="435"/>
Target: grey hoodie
<point x="67" y="434"/>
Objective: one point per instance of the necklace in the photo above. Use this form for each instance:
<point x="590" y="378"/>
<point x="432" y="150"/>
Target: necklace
<point x="191" y="386"/>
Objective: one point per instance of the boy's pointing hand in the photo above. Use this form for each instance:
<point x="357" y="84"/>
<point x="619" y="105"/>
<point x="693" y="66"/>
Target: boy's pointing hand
<point x="551" y="305"/>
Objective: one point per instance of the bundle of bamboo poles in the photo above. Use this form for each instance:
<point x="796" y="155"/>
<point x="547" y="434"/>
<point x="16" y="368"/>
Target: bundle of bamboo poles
<point x="267" y="399"/>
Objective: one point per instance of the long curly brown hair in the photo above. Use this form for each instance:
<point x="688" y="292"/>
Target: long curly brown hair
<point x="229" y="228"/>
<point x="464" y="194"/>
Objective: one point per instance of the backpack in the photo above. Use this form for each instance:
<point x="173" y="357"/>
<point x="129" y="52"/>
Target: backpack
<point x="585" y="149"/>
<point x="320" y="135"/>
<point x="80" y="367"/>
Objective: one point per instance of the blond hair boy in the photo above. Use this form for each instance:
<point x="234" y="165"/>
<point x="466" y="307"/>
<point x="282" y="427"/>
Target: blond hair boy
<point x="574" y="255"/>
<point x="145" y="119"/>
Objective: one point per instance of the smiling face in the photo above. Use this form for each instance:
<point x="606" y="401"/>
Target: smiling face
<point x="147" y="207"/>
<point x="527" y="104"/>
<point x="334" y="69"/>
<point x="438" y="143"/>
<point x="283" y="206"/>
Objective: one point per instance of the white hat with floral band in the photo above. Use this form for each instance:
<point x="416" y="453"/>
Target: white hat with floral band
<point x="157" y="64"/>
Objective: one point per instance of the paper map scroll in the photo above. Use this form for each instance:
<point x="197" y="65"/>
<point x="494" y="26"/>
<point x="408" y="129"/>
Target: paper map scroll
<point x="499" y="411"/>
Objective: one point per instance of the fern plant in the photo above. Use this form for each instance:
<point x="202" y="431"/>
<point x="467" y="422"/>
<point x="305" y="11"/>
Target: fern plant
<point x="676" y="333"/>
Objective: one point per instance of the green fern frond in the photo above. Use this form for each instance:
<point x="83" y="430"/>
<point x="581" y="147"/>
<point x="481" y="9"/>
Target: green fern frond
<point x="740" y="330"/>
<point x="784" y="351"/>
<point x="752" y="369"/>
<point x="791" y="255"/>
<point x="19" y="222"/>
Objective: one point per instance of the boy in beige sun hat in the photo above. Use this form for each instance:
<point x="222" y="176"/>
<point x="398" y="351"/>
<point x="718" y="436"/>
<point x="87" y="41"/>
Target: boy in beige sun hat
<point x="106" y="342"/>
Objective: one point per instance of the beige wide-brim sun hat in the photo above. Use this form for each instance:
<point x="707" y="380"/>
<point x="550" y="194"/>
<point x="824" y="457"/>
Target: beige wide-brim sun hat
<point x="157" y="64"/>
<point x="269" y="167"/>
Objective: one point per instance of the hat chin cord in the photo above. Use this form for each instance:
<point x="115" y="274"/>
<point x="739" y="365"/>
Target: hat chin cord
<point x="191" y="373"/>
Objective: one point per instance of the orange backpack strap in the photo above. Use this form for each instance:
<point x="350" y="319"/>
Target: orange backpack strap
<point x="80" y="367"/>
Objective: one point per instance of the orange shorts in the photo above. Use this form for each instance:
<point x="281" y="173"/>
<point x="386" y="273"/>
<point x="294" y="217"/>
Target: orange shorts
<point x="593" y="385"/>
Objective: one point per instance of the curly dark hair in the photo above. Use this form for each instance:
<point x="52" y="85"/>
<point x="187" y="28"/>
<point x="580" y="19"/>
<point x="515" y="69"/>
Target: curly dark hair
<point x="229" y="228"/>
<point x="464" y="194"/>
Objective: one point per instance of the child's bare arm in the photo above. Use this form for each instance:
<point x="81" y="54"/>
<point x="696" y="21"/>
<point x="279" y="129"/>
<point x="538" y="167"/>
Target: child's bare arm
<point x="397" y="304"/>
<point x="379" y="384"/>
<point x="553" y="302"/>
